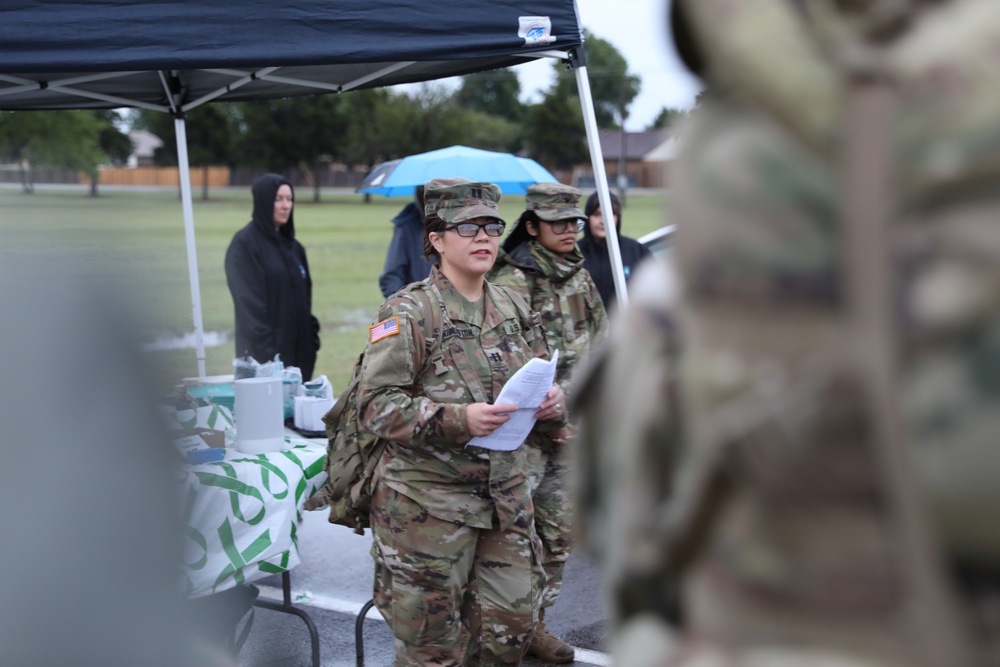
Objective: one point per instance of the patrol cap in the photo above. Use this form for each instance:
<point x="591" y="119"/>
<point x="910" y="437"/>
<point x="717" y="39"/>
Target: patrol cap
<point x="553" y="201"/>
<point x="456" y="200"/>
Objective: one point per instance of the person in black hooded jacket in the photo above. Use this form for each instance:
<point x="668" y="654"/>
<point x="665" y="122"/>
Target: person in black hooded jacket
<point x="268" y="276"/>
<point x="404" y="260"/>
<point x="594" y="246"/>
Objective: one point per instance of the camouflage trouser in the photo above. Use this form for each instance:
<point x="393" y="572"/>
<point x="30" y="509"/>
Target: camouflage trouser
<point x="433" y="577"/>
<point x="547" y="478"/>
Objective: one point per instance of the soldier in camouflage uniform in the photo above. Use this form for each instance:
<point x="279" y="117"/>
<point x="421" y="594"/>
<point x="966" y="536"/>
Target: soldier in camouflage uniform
<point x="812" y="447"/>
<point x="453" y="526"/>
<point x="543" y="264"/>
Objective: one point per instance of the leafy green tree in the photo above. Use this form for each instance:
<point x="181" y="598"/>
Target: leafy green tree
<point x="301" y="133"/>
<point x="390" y="124"/>
<point x="386" y="125"/>
<point x="496" y="93"/>
<point x="612" y="87"/>
<point x="554" y="128"/>
<point x="114" y="143"/>
<point x="363" y="143"/>
<point x="489" y="132"/>
<point x="162" y="125"/>
<point x="442" y="120"/>
<point x="210" y="139"/>
<point x="211" y="132"/>
<point x="667" y="118"/>
<point x="555" y="131"/>
<point x="69" y="139"/>
<point x="402" y="125"/>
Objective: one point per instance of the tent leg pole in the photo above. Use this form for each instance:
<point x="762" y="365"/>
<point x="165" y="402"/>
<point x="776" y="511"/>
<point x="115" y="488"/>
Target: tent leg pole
<point x="601" y="182"/>
<point x="192" y="252"/>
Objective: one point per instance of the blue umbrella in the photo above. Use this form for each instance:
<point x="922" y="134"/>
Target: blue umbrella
<point x="398" y="178"/>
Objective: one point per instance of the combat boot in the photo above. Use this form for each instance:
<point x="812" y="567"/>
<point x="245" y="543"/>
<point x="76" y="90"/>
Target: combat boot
<point x="548" y="647"/>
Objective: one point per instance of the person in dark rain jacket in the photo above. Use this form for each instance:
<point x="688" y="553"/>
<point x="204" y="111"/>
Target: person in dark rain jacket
<point x="404" y="260"/>
<point x="268" y="276"/>
<point x="594" y="246"/>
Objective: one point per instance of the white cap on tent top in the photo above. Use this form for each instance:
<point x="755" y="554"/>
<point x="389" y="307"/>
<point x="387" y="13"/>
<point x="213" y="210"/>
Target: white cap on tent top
<point x="260" y="415"/>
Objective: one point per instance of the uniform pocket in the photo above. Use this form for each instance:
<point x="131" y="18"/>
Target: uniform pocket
<point x="423" y="573"/>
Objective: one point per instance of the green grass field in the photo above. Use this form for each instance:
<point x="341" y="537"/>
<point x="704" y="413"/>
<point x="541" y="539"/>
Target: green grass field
<point x="136" y="240"/>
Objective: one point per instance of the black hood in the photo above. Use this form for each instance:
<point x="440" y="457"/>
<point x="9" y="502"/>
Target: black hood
<point x="408" y="213"/>
<point x="264" y="190"/>
<point x="520" y="256"/>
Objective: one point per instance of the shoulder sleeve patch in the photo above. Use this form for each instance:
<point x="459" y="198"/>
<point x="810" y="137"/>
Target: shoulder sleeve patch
<point x="383" y="329"/>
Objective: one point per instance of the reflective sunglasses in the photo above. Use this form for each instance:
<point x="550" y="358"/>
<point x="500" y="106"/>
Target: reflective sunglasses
<point x="471" y="230"/>
<point x="563" y="226"/>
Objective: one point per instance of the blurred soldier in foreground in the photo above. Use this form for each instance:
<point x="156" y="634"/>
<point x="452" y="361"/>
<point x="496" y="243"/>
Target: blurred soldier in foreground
<point x="805" y="439"/>
<point x="87" y="503"/>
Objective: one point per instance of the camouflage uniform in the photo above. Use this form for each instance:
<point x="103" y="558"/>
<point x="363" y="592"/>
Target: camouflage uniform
<point x="563" y="294"/>
<point x="761" y="467"/>
<point x="443" y="515"/>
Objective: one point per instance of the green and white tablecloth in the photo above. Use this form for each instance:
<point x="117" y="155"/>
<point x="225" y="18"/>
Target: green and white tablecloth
<point x="242" y="514"/>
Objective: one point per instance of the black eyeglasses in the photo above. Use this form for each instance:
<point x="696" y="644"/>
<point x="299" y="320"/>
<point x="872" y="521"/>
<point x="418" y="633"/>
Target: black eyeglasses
<point x="471" y="230"/>
<point x="563" y="226"/>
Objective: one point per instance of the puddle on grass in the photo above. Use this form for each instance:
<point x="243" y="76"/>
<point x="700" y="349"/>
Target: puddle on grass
<point x="357" y="318"/>
<point x="187" y="341"/>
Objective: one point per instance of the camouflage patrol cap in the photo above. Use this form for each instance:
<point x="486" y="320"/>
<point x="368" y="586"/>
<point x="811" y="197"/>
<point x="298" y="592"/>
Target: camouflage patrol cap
<point x="553" y="201"/>
<point x="456" y="200"/>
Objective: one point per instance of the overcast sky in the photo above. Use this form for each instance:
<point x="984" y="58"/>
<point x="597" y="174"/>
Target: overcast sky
<point x="637" y="28"/>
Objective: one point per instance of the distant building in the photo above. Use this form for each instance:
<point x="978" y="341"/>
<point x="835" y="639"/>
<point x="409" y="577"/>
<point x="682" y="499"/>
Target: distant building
<point x="648" y="155"/>
<point x="144" y="144"/>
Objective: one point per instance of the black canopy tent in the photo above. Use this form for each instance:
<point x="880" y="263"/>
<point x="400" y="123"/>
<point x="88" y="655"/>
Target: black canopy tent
<point x="175" y="56"/>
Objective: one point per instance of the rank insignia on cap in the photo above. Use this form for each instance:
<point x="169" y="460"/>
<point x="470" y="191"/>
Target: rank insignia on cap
<point x="383" y="329"/>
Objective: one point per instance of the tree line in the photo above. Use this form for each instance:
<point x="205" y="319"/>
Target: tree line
<point x="360" y="128"/>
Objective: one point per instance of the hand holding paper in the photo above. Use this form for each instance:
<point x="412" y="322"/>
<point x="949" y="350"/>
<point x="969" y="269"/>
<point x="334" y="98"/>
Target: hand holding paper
<point x="527" y="389"/>
<point x="484" y="418"/>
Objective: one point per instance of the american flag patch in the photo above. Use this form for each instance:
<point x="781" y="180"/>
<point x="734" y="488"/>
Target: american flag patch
<point x="383" y="329"/>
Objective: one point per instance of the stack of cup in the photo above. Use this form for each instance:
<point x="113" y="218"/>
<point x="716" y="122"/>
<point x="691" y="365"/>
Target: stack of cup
<point x="259" y="415"/>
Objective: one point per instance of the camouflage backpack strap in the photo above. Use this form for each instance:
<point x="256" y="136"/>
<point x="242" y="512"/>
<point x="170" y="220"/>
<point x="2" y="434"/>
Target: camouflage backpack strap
<point x="531" y="279"/>
<point x="434" y="315"/>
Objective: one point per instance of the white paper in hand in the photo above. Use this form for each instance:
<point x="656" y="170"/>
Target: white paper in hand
<point x="526" y="389"/>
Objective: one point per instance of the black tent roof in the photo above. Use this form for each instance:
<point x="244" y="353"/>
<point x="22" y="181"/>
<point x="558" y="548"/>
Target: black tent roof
<point x="113" y="53"/>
